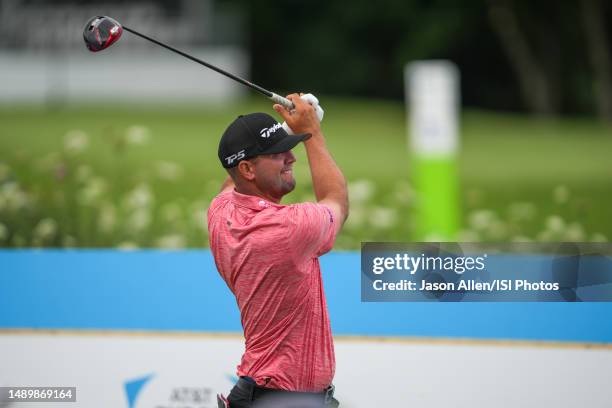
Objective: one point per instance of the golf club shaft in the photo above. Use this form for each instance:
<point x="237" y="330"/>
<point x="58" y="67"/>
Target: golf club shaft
<point x="274" y="97"/>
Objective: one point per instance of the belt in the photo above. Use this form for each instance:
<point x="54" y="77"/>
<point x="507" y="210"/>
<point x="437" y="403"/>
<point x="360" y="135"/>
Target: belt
<point x="249" y="386"/>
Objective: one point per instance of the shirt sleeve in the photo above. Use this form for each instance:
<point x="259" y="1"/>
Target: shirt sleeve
<point x="213" y="208"/>
<point x="311" y="229"/>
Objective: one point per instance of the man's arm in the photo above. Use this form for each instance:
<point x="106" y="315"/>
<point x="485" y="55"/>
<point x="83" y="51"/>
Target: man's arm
<point x="227" y="185"/>
<point x="328" y="181"/>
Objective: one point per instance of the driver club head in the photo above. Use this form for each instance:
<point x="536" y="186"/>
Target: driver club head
<point x="101" y="32"/>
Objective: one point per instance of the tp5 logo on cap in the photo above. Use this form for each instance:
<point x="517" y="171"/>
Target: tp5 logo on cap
<point x="254" y="135"/>
<point x="236" y="156"/>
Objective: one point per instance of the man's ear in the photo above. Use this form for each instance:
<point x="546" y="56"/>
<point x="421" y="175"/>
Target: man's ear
<point x="246" y="169"/>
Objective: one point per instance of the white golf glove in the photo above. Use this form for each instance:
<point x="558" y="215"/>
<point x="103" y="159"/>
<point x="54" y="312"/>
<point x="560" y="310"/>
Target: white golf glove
<point x="311" y="99"/>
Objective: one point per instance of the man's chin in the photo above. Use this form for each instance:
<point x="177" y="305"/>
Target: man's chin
<point x="289" y="186"/>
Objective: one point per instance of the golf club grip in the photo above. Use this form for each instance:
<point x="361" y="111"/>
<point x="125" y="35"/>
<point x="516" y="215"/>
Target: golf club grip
<point x="282" y="100"/>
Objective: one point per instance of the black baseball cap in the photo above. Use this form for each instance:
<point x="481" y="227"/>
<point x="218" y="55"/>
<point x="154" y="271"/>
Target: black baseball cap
<point x="252" y="135"/>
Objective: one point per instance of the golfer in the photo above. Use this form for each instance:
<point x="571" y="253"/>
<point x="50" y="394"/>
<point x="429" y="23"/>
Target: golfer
<point x="267" y="253"/>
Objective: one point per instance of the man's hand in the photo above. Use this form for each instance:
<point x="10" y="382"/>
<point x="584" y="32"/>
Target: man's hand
<point x="303" y="118"/>
<point x="311" y="99"/>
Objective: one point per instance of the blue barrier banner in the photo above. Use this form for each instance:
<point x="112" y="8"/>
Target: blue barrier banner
<point x="105" y="289"/>
<point x="460" y="272"/>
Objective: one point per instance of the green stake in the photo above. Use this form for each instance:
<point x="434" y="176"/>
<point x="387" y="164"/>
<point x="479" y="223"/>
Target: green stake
<point x="432" y="94"/>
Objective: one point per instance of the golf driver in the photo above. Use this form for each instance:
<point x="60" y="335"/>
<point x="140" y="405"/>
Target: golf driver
<point x="101" y="32"/>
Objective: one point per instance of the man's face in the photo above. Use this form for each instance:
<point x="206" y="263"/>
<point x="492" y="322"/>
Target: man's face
<point x="274" y="174"/>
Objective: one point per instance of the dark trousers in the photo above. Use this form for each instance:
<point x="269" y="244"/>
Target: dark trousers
<point x="247" y="394"/>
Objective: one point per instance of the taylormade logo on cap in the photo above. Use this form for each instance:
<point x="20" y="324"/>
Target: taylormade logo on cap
<point x="267" y="132"/>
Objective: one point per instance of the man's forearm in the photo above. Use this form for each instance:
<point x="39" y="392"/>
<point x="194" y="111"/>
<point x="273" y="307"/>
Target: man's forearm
<point x="327" y="179"/>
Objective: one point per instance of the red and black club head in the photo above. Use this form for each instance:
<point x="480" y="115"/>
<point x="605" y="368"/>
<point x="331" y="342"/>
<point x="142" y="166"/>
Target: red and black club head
<point x="101" y="32"/>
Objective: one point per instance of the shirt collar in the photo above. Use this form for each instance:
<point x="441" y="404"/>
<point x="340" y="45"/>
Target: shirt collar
<point x="255" y="203"/>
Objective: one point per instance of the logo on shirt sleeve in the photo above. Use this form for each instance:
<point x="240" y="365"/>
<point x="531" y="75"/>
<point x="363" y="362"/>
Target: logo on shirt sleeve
<point x="331" y="215"/>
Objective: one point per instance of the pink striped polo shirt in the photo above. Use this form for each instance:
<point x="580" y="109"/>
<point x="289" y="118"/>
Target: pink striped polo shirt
<point x="268" y="255"/>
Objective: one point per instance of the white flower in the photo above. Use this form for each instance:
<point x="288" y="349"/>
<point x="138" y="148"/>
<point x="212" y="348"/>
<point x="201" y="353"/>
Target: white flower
<point x="45" y="229"/>
<point x="76" y="141"/>
<point x="139" y="197"/>
<point x="12" y="197"/>
<point x="361" y="191"/>
<point x="382" y="217"/>
<point x="139" y="220"/>
<point x="127" y="246"/>
<point x="92" y="191"/>
<point x="173" y="241"/>
<point x="169" y="171"/>
<point x="555" y="224"/>
<point x="574" y="232"/>
<point x="137" y="135"/>
<point x="107" y="218"/>
<point x="481" y="219"/>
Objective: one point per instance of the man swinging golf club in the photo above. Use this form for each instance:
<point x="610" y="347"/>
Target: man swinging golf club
<point x="267" y="253"/>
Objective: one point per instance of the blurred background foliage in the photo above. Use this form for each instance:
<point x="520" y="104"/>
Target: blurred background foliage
<point x="535" y="137"/>
<point x="545" y="57"/>
<point x="145" y="179"/>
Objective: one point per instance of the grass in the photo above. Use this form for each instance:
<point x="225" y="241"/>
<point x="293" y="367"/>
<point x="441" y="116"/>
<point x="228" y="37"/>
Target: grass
<point x="125" y="176"/>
